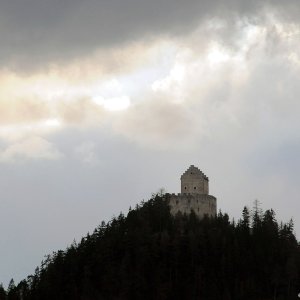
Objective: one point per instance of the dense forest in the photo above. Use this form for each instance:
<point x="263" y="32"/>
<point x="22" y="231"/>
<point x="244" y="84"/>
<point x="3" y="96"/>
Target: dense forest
<point x="150" y="254"/>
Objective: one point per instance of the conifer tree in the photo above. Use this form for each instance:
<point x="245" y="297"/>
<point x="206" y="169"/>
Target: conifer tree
<point x="2" y="292"/>
<point x="150" y="254"/>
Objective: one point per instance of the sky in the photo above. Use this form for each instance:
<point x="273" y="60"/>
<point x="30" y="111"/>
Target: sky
<point x="102" y="103"/>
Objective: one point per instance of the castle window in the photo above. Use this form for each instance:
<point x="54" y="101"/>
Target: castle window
<point x="194" y="187"/>
<point x="189" y="201"/>
<point x="185" y="187"/>
<point x="176" y="201"/>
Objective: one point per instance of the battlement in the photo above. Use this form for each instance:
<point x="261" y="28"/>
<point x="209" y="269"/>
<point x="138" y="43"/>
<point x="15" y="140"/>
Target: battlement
<point x="195" y="171"/>
<point x="201" y="205"/>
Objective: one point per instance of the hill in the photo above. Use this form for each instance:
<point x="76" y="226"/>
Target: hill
<point x="150" y="254"/>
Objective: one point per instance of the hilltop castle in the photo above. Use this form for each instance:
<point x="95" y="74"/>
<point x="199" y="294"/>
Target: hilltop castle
<point x="194" y="195"/>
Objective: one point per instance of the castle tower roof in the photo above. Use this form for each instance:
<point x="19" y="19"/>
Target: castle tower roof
<point x="195" y="172"/>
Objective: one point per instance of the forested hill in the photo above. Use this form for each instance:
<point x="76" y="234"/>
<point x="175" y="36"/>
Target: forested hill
<point x="151" y="255"/>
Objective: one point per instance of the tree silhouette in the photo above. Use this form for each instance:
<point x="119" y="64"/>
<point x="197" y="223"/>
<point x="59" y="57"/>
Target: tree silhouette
<point x="150" y="254"/>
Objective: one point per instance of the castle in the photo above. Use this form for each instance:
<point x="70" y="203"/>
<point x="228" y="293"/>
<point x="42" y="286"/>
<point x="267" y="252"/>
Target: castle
<point x="194" y="195"/>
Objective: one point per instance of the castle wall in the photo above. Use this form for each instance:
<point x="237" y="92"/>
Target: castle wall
<point x="201" y="204"/>
<point x="194" y="185"/>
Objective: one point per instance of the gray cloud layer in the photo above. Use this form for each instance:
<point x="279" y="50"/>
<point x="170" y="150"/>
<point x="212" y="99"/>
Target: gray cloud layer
<point x="40" y="31"/>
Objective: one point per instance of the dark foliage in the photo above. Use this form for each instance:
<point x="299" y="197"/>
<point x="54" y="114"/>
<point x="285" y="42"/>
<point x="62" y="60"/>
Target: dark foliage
<point x="151" y="255"/>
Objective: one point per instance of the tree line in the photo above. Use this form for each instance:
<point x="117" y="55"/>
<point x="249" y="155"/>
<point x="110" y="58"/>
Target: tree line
<point x="150" y="254"/>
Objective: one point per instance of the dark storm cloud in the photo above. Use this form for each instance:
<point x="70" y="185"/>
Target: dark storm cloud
<point x="39" y="31"/>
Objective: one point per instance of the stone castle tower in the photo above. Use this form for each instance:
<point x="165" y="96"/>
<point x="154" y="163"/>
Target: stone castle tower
<point x="194" y="195"/>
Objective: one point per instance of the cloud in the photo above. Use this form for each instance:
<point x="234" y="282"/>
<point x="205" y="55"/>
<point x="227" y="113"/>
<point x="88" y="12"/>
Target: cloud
<point x="86" y="152"/>
<point x="156" y="123"/>
<point x="76" y="93"/>
<point x="35" y="148"/>
<point x="177" y="90"/>
<point x="189" y="88"/>
<point x="221" y="93"/>
<point x="36" y="32"/>
<point x="22" y="111"/>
